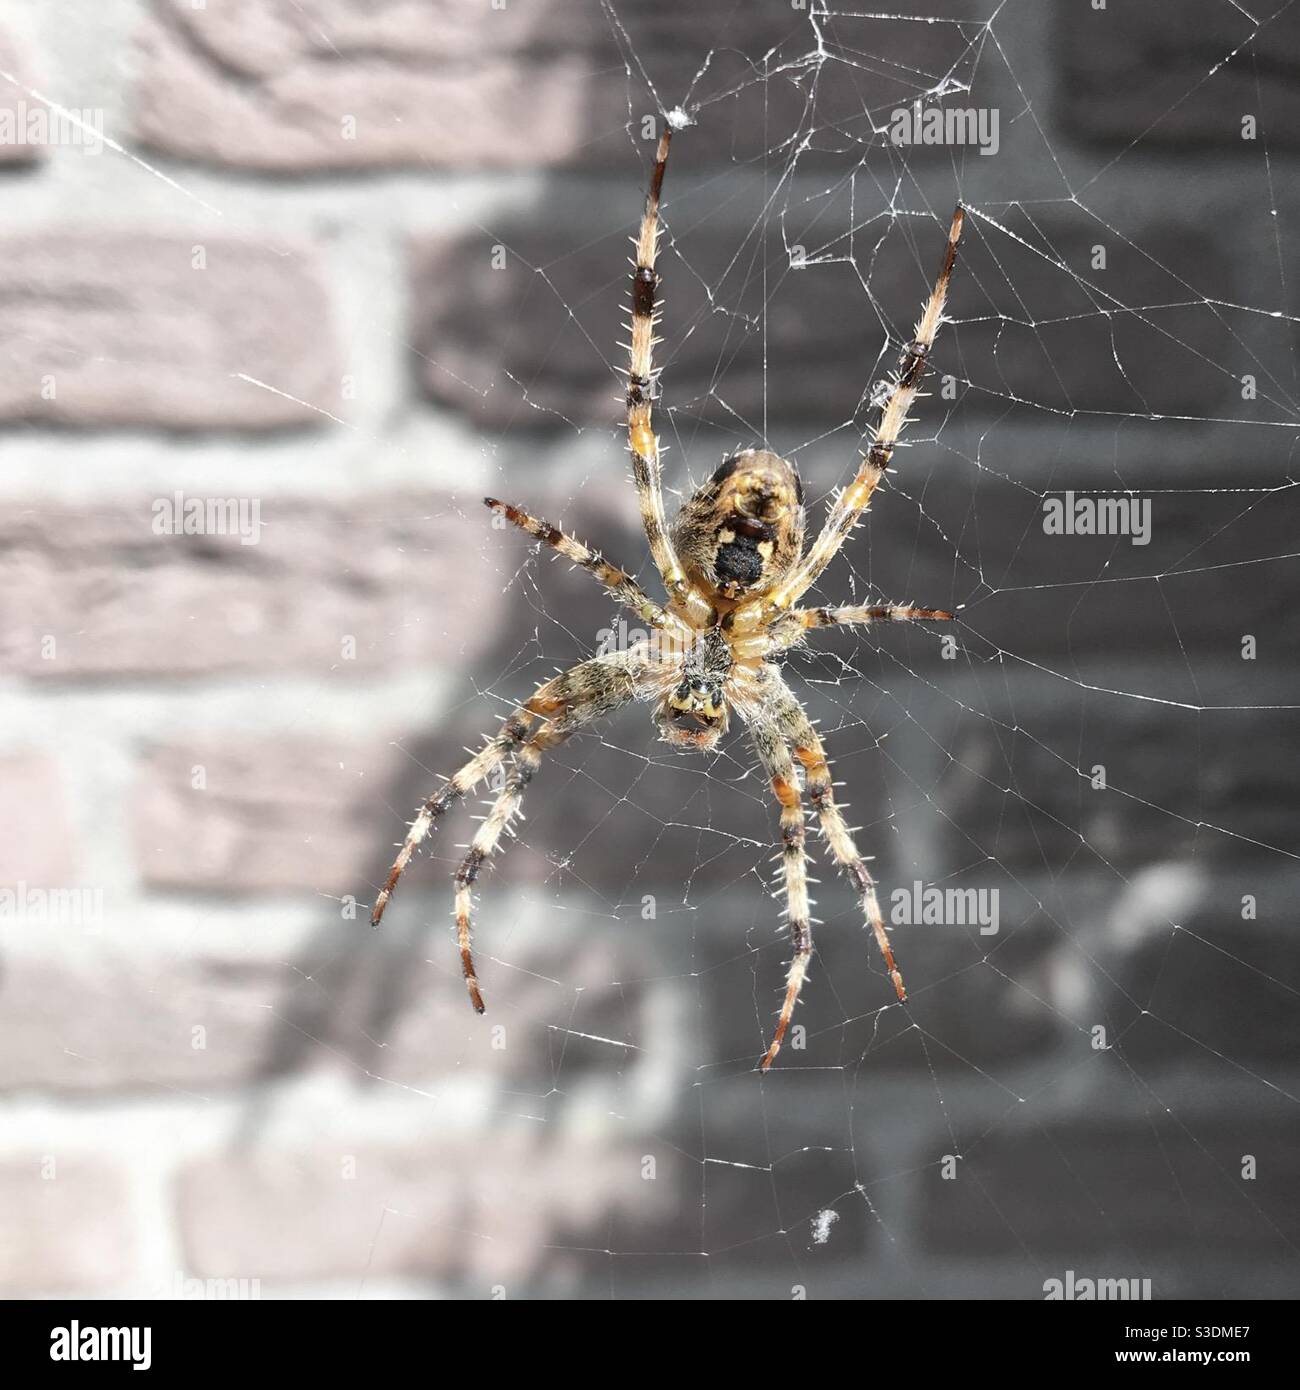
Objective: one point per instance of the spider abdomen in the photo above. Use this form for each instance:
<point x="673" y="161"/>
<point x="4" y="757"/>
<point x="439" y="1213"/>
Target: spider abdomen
<point x="742" y="532"/>
<point x="738" y="561"/>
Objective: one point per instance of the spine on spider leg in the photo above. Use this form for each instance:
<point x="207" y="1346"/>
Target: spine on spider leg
<point x="846" y="855"/>
<point x="620" y="585"/>
<point x="481" y="849"/>
<point x="645" y="288"/>
<point x="642" y="444"/>
<point x="847" y="509"/>
<point x="775" y="756"/>
<point x="915" y="357"/>
<point x="463" y="780"/>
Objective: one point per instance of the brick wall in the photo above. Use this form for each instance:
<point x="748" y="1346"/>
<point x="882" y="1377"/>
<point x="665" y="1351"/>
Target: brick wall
<point x="359" y="266"/>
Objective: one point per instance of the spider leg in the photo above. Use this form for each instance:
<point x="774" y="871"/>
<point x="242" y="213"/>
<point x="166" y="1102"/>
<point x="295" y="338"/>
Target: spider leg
<point x="774" y="752"/>
<point x="576" y="698"/>
<point x="642" y="441"/>
<point x="887" y="613"/>
<point x="565" y="703"/>
<point x="812" y="754"/>
<point x="617" y="583"/>
<point x="483" y="764"/>
<point x="527" y="759"/>
<point x="849" y="506"/>
<point x="568" y="701"/>
<point x="791" y="628"/>
<point x="794" y="723"/>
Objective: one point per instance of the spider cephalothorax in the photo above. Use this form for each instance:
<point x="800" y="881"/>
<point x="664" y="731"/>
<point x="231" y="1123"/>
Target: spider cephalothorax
<point x="693" y="713"/>
<point x="734" y="568"/>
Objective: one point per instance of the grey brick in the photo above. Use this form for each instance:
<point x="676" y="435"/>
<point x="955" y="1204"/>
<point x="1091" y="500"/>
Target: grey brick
<point x="1129" y="1192"/>
<point x="437" y="86"/>
<point x="1179" y="75"/>
<point x="1175" y="784"/>
<point x="747" y="336"/>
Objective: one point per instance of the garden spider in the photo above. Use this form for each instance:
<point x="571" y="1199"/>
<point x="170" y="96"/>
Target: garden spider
<point x="734" y="568"/>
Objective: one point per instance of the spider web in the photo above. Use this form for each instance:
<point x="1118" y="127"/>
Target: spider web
<point x="1077" y="1089"/>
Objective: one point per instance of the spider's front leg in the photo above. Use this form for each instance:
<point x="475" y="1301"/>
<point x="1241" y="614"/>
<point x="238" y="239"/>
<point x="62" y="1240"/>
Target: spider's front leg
<point x="483" y="764"/>
<point x="568" y="702"/>
<point x="775" y="756"/>
<point x="792" y="720"/>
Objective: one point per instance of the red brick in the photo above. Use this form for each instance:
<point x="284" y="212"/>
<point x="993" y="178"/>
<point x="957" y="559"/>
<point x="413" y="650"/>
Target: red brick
<point x="35" y="843"/>
<point x="272" y="814"/>
<point x="444" y="85"/>
<point x="93" y="1018"/>
<point x="66" y="1233"/>
<point x="120" y="330"/>
<point x="425" y="1202"/>
<point x="398" y="573"/>
<point x="15" y="58"/>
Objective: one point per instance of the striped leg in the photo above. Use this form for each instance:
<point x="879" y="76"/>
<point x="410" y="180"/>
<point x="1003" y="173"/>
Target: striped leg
<point x="642" y="442"/>
<point x="790" y="629"/>
<point x="793" y="722"/>
<point x="527" y="759"/>
<point x="811" y="753"/>
<point x="464" y="779"/>
<point x="889" y="613"/>
<point x="619" y="585"/>
<point x="849" y="506"/>
<point x="775" y="754"/>
<point x="572" y="700"/>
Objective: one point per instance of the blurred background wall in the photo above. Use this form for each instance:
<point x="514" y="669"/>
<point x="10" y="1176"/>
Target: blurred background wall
<point x="354" y="265"/>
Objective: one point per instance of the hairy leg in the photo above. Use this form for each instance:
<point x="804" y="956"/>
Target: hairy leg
<point x="848" y="507"/>
<point x="774" y="752"/>
<point x="527" y="759"/>
<point x="788" y="631"/>
<point x="642" y="441"/>
<point x="566" y="702"/>
<point x="808" y="748"/>
<point x="853" y="617"/>
<point x="463" y="780"/>
<point x="620" y="585"/>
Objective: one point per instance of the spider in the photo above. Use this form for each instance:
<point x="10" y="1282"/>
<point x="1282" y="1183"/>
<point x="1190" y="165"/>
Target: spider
<point x="734" y="568"/>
